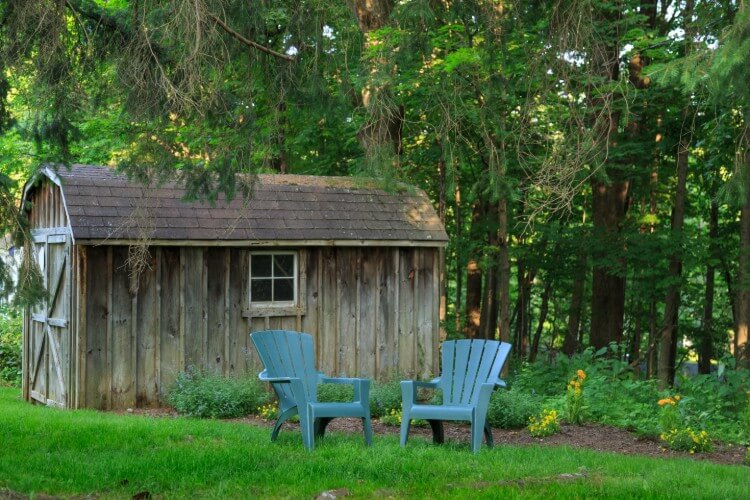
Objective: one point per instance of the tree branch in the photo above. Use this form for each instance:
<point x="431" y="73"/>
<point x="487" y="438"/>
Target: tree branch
<point x="248" y="42"/>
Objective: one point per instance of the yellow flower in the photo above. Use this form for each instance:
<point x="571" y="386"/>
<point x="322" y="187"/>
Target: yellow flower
<point x="581" y="374"/>
<point x="667" y="401"/>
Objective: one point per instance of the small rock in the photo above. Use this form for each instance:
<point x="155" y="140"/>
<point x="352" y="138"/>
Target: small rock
<point x="337" y="493"/>
<point x="129" y="410"/>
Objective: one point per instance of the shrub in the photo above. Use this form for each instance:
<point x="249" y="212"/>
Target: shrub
<point x="545" y="425"/>
<point x="394" y="417"/>
<point x="687" y="440"/>
<point x="202" y="395"/>
<point x="11" y="330"/>
<point x="511" y="409"/>
<point x="384" y="397"/>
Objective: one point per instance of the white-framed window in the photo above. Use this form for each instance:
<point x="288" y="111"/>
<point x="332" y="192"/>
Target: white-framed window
<point x="273" y="278"/>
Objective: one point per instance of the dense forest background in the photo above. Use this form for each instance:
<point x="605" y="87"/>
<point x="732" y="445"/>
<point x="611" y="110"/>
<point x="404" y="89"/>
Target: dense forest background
<point x="590" y="158"/>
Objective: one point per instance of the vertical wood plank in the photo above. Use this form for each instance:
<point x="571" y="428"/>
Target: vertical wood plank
<point x="425" y="301"/>
<point x="122" y="339"/>
<point x="371" y="261"/>
<point x="97" y="317"/>
<point x="147" y="321"/>
<point x="82" y="325"/>
<point x="406" y="334"/>
<point x="215" y="334"/>
<point x="312" y="291"/>
<point x="347" y="310"/>
<point x="238" y="333"/>
<point x="170" y="358"/>
<point x="226" y="361"/>
<point x="328" y="354"/>
<point x="194" y="308"/>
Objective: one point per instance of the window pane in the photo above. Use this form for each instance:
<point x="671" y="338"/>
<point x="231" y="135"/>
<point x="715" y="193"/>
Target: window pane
<point x="283" y="265"/>
<point x="283" y="290"/>
<point x="260" y="290"/>
<point x="260" y="266"/>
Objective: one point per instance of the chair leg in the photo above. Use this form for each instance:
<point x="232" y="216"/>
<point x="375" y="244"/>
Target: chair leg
<point x="477" y="431"/>
<point x="367" y="428"/>
<point x="307" y="427"/>
<point x="488" y="435"/>
<point x="438" y="434"/>
<point x="286" y="415"/>
<point x="320" y="426"/>
<point x="405" y="425"/>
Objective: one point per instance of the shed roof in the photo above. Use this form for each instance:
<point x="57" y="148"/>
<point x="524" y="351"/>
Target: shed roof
<point x="105" y="205"/>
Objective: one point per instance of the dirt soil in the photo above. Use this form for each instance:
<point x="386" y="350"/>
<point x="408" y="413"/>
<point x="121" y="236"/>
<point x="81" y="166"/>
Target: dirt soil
<point x="588" y="436"/>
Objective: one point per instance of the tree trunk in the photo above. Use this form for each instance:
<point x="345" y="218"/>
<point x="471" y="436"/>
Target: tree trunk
<point x="380" y="136"/>
<point x="668" y="337"/>
<point x="473" y="282"/>
<point x="570" y="344"/>
<point x="459" y="259"/>
<point x="488" y="317"/>
<point x="608" y="284"/>
<point x="742" y="288"/>
<point x="522" y="306"/>
<point x="503" y="270"/>
<point x="543" y="310"/>
<point x="705" y="344"/>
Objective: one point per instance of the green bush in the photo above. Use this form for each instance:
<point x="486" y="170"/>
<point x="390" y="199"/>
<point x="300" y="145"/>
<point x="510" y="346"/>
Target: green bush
<point x="511" y="409"/>
<point x="384" y="396"/>
<point x="202" y="395"/>
<point x="11" y="330"/>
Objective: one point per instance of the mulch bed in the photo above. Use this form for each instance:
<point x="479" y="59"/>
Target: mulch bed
<point x="588" y="436"/>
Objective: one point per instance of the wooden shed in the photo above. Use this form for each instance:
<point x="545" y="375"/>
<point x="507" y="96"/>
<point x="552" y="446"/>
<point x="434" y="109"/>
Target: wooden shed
<point x="143" y="284"/>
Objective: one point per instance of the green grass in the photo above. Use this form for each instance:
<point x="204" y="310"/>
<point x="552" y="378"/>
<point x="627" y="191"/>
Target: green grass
<point x="57" y="452"/>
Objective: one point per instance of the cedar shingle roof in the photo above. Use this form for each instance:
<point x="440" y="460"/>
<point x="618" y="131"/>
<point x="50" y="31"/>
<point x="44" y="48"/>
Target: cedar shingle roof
<point x="103" y="204"/>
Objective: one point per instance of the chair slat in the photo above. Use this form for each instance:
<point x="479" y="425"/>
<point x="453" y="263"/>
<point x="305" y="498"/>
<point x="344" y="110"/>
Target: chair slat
<point x="478" y="348"/>
<point x="485" y="368"/>
<point x="446" y="378"/>
<point x="459" y="372"/>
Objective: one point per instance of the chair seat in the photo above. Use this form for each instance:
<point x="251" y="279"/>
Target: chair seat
<point x="441" y="412"/>
<point x="354" y="409"/>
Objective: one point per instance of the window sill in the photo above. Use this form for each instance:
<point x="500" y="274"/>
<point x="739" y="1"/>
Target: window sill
<point x="272" y="311"/>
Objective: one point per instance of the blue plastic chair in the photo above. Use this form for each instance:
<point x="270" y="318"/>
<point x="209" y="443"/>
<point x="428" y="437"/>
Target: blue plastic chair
<point x="470" y="372"/>
<point x="289" y="362"/>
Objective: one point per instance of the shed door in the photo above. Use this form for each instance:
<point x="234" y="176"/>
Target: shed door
<point x="49" y="374"/>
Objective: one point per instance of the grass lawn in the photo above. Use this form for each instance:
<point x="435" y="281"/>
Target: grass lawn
<point x="44" y="450"/>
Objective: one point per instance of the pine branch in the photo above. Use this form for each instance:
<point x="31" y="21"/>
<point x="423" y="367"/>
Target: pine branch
<point x="248" y="42"/>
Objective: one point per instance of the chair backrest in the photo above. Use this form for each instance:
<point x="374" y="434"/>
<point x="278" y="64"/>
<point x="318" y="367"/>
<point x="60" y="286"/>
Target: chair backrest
<point x="288" y="354"/>
<point x="466" y="365"/>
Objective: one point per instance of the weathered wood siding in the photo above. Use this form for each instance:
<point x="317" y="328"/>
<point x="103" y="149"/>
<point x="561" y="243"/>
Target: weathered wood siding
<point x="373" y="312"/>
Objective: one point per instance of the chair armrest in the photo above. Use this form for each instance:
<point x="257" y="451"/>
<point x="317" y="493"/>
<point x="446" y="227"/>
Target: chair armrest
<point x="409" y="391"/>
<point x="275" y="380"/>
<point x="338" y="380"/>
<point x="500" y="383"/>
<point x="361" y="386"/>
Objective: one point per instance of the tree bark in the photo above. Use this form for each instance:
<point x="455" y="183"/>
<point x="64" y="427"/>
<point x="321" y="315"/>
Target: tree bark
<point x="668" y="337"/>
<point x="610" y="203"/>
<point x="473" y="282"/>
<point x="570" y="344"/>
<point x="705" y="344"/>
<point x="543" y="310"/>
<point x="503" y="271"/>
<point x="742" y="288"/>
<point x="381" y="133"/>
<point x="459" y="259"/>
